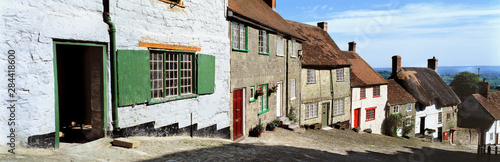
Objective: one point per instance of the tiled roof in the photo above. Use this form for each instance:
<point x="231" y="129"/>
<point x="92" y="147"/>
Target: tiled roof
<point x="259" y="12"/>
<point x="426" y="85"/>
<point x="491" y="104"/>
<point x="319" y="49"/>
<point x="362" y="74"/>
<point x="397" y="94"/>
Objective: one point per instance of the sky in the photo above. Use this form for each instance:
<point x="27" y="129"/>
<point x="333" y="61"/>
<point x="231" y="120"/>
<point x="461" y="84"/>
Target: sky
<point x="456" y="32"/>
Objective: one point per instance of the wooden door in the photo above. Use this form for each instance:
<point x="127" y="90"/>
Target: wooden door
<point x="324" y="114"/>
<point x="422" y="125"/>
<point x="496" y="139"/>
<point x="356" y="118"/>
<point x="237" y="114"/>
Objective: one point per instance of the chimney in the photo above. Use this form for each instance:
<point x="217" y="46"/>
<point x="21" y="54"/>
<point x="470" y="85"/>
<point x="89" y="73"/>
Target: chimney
<point x="433" y="64"/>
<point x="352" y="46"/>
<point x="271" y="3"/>
<point x="396" y="65"/>
<point x="323" y="25"/>
<point x="484" y="88"/>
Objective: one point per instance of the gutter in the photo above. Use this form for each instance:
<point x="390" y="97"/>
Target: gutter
<point x="112" y="42"/>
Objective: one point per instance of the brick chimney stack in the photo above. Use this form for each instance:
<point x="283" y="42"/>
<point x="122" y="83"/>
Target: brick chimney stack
<point x="484" y="88"/>
<point x="323" y="25"/>
<point x="271" y="3"/>
<point x="352" y="46"/>
<point x="433" y="64"/>
<point x="396" y="65"/>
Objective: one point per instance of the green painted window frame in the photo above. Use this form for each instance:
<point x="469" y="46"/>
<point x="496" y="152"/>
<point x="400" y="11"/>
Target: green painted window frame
<point x="239" y="38"/>
<point x="194" y="76"/>
<point x="265" y="108"/>
<point x="267" y="44"/>
<point x="252" y="94"/>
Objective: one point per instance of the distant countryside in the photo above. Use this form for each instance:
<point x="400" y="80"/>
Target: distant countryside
<point x="491" y="73"/>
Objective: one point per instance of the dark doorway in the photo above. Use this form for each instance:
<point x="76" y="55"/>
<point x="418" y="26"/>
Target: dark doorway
<point x="80" y="91"/>
<point x="440" y="134"/>
<point x="422" y="125"/>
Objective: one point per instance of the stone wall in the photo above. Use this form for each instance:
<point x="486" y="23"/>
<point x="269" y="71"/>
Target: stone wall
<point x="466" y="136"/>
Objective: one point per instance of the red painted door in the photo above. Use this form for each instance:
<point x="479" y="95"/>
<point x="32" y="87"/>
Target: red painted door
<point x="356" y="117"/>
<point x="237" y="114"/>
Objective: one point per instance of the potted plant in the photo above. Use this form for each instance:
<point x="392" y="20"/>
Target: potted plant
<point x="257" y="130"/>
<point x="355" y="129"/>
<point x="369" y="130"/>
<point x="271" y="126"/>
<point x="306" y="126"/>
<point x="315" y="126"/>
<point x="430" y="131"/>
<point x="273" y="88"/>
<point x="259" y="92"/>
<point x="341" y="126"/>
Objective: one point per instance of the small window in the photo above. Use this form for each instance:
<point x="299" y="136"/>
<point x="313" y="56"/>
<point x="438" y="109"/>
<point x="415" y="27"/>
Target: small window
<point x="292" y="89"/>
<point x="279" y="46"/>
<point x="408" y="107"/>
<point x="263" y="42"/>
<point x="311" y="77"/>
<point x="491" y="137"/>
<point x="362" y="93"/>
<point x="239" y="36"/>
<point x="338" y="107"/>
<point x="340" y="75"/>
<point x="376" y="91"/>
<point x="448" y="116"/>
<point x="370" y="113"/>
<point x="396" y="109"/>
<point x="311" y="111"/>
<point x="252" y="94"/>
<point x="263" y="99"/>
<point x="440" y="117"/>
<point x="294" y="52"/>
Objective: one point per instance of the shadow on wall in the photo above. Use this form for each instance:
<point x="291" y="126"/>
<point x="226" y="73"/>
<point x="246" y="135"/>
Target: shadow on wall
<point x="250" y="152"/>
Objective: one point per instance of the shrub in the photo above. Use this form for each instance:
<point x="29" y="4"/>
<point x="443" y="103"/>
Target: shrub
<point x="391" y="124"/>
<point x="369" y="130"/>
<point x="355" y="129"/>
<point x="292" y="115"/>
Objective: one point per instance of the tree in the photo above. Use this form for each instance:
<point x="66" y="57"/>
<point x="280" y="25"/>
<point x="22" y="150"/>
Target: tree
<point x="465" y="83"/>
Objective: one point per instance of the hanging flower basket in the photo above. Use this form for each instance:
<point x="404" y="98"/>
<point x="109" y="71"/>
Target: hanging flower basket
<point x="259" y="92"/>
<point x="274" y="88"/>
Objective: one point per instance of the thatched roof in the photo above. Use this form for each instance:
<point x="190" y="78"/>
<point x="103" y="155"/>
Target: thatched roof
<point x="426" y="86"/>
<point x="319" y="48"/>
<point x="362" y="74"/>
<point x="397" y="94"/>
<point x="261" y="13"/>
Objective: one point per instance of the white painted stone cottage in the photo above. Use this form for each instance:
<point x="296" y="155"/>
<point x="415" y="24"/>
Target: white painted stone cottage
<point x="169" y="75"/>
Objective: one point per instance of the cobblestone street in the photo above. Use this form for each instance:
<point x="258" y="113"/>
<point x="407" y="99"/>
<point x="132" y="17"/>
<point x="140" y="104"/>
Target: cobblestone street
<point x="281" y="145"/>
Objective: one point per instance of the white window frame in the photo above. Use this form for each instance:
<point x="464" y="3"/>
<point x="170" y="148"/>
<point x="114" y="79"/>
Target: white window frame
<point x="294" y="52"/>
<point x="340" y="75"/>
<point x="311" y="76"/>
<point x="263" y="42"/>
<point x="408" y="107"/>
<point x="440" y="117"/>
<point x="311" y="110"/>
<point x="338" y="107"/>
<point x="280" y="46"/>
<point x="408" y="121"/>
<point x="292" y="89"/>
<point x="252" y="94"/>
<point x="395" y="109"/>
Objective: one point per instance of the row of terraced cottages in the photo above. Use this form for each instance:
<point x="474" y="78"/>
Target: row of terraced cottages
<point x="173" y="67"/>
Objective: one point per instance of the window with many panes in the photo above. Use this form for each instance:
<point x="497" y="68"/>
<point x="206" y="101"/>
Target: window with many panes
<point x="376" y="91"/>
<point x="263" y="42"/>
<point x="396" y="109"/>
<point x="340" y="75"/>
<point x="370" y="113"/>
<point x="239" y="36"/>
<point x="311" y="111"/>
<point x="440" y="117"/>
<point x="362" y="93"/>
<point x="292" y="89"/>
<point x="178" y="70"/>
<point x="263" y="99"/>
<point x="338" y="107"/>
<point x="311" y="77"/>
<point x="280" y="46"/>
<point x="408" y="107"/>
<point x="293" y="48"/>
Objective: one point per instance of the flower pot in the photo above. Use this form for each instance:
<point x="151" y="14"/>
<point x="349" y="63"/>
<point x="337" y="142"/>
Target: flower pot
<point x="315" y="126"/>
<point x="342" y="127"/>
<point x="256" y="133"/>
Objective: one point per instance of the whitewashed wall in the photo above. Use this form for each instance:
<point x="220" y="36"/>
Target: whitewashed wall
<point x="369" y="102"/>
<point x="494" y="129"/>
<point x="431" y="114"/>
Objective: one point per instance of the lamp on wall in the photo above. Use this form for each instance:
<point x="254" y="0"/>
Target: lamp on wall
<point x="300" y="54"/>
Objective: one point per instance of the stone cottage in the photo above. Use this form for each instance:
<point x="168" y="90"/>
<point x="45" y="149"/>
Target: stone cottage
<point x="117" y="68"/>
<point x="325" y="95"/>
<point x="399" y="101"/>
<point x="265" y="53"/>
<point x="436" y="102"/>
<point x="368" y="93"/>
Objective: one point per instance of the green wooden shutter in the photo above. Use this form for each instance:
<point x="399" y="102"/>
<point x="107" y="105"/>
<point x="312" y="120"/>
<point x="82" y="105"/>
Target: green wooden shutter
<point x="134" y="80"/>
<point x="206" y="73"/>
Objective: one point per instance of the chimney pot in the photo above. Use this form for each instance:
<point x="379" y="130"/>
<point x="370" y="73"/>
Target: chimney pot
<point x="323" y="25"/>
<point x="271" y="3"/>
<point x="484" y="88"/>
<point x="396" y="65"/>
<point x="352" y="46"/>
<point x="433" y="63"/>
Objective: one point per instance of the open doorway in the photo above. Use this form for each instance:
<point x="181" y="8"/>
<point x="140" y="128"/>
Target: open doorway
<point x="80" y="92"/>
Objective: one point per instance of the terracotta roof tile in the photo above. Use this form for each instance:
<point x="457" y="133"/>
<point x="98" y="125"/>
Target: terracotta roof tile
<point x="259" y="12"/>
<point x="491" y="104"/>
<point x="362" y="74"/>
<point x="397" y="94"/>
<point x="319" y="49"/>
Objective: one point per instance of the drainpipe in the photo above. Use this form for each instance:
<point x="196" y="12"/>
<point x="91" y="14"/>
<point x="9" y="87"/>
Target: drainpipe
<point x="112" y="42"/>
<point x="286" y="79"/>
<point x="331" y="88"/>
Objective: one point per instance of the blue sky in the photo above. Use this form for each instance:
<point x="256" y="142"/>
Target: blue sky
<point x="456" y="32"/>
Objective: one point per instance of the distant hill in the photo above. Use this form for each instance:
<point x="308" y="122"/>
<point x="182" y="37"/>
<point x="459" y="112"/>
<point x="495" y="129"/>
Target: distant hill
<point x="491" y="73"/>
